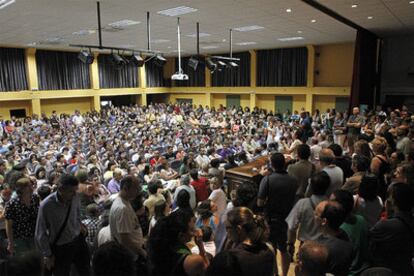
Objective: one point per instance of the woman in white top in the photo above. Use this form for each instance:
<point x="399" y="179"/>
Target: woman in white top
<point x="292" y="149"/>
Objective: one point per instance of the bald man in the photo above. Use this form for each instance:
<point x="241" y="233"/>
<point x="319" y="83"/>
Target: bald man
<point x="336" y="175"/>
<point x="312" y="259"/>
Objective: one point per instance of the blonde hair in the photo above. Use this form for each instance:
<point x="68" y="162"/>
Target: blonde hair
<point x="379" y="145"/>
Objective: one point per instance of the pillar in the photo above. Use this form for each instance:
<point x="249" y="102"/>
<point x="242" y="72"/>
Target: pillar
<point x="94" y="74"/>
<point x="209" y="99"/>
<point x="144" y="98"/>
<point x="36" y="106"/>
<point x="253" y="68"/>
<point x="97" y="103"/>
<point x="208" y="77"/>
<point x="142" y="77"/>
<point x="252" y="101"/>
<point x="31" y="69"/>
<point x="311" y="66"/>
<point x="309" y="102"/>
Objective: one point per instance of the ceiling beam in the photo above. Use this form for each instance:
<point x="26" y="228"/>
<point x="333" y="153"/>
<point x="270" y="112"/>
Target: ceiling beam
<point x="336" y="16"/>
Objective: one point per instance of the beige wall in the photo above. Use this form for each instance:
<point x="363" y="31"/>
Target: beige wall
<point x="6" y="106"/>
<point x="68" y="105"/>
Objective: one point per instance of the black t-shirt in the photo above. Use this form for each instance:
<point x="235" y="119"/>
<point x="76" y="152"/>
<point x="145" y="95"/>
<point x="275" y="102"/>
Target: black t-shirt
<point x="279" y="189"/>
<point x="345" y="164"/>
<point x="255" y="259"/>
<point x="340" y="251"/>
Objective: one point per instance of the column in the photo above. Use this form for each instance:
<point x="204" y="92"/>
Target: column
<point x="36" y="106"/>
<point x="309" y="102"/>
<point x="311" y="66"/>
<point x="252" y="101"/>
<point x="31" y="69"/>
<point x="144" y="98"/>
<point x="209" y="99"/>
<point x="94" y="73"/>
<point x="253" y="68"/>
<point x="208" y="77"/>
<point x="142" y="76"/>
<point x="97" y="103"/>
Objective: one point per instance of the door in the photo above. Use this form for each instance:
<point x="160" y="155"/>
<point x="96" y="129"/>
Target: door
<point x="341" y="104"/>
<point x="283" y="103"/>
<point x="232" y="100"/>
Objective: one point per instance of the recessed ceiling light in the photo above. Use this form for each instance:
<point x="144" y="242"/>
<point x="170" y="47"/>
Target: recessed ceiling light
<point x="370" y="17"/>
<point x="177" y="11"/>
<point x="169" y="47"/>
<point x="411" y="2"/>
<point x="299" y="32"/>
<point x="200" y="35"/>
<point x="354" y="6"/>
<point x="290" y="38"/>
<point x="5" y="3"/>
<point x="313" y="20"/>
<point x="288" y="10"/>
<point x="223" y="40"/>
<point x="210" y="47"/>
<point x="248" y="28"/>
<point x="123" y="23"/>
<point x="84" y="32"/>
<point x="246" y="43"/>
<point x="159" y="41"/>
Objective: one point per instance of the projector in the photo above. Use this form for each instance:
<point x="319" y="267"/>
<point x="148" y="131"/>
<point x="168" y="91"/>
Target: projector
<point x="179" y="77"/>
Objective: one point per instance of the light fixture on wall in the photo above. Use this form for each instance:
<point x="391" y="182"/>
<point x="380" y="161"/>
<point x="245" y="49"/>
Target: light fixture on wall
<point x="86" y="57"/>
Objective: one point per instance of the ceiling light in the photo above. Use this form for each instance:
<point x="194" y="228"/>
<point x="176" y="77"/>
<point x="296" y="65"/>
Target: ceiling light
<point x="86" y="57"/>
<point x="159" y="60"/>
<point x="299" y="32"/>
<point x="211" y="65"/>
<point x="313" y="20"/>
<point x="290" y="38"/>
<point x="193" y="63"/>
<point x="411" y="2"/>
<point x="248" y="28"/>
<point x="370" y="17"/>
<point x="232" y="64"/>
<point x="177" y="11"/>
<point x="84" y="32"/>
<point x="137" y="60"/>
<point x="5" y="3"/>
<point x="117" y="60"/>
<point x="210" y="47"/>
<point x="246" y="43"/>
<point x="354" y="6"/>
<point x="123" y="23"/>
<point x="288" y="10"/>
<point x="200" y="35"/>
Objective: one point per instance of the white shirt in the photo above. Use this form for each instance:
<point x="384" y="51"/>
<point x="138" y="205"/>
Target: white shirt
<point x="77" y="120"/>
<point x="104" y="235"/>
<point x="336" y="175"/>
<point x="219" y="198"/>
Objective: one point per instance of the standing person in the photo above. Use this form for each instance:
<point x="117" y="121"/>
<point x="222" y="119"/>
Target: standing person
<point x="20" y="213"/>
<point x="123" y="221"/>
<point x="339" y="129"/>
<point x="59" y="233"/>
<point x="312" y="259"/>
<point x="302" y="170"/>
<point x="354" y="125"/>
<point x="277" y="193"/>
<point x="335" y="173"/>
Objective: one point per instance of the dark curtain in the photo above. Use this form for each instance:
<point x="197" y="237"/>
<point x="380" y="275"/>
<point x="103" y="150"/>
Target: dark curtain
<point x="61" y="71"/>
<point x="12" y="70"/>
<point x="195" y="78"/>
<point x="112" y="77"/>
<point x="365" y="78"/>
<point x="282" y="67"/>
<point x="155" y="75"/>
<point x="234" y="76"/>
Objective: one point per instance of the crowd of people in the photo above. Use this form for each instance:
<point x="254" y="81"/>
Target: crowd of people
<point x="142" y="190"/>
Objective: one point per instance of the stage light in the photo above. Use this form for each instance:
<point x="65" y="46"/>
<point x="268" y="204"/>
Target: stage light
<point x="232" y="64"/>
<point x="117" y="60"/>
<point x="159" y="60"/>
<point x="86" y="57"/>
<point x="211" y="65"/>
<point x="193" y="63"/>
<point x="137" y="60"/>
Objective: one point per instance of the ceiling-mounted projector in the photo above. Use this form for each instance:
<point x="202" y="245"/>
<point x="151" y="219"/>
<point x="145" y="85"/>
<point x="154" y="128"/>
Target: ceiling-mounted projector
<point x="179" y="76"/>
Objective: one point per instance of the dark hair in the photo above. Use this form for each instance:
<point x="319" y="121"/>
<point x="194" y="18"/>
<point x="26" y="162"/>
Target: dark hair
<point x="204" y="209"/>
<point x="319" y="183"/>
<point x="361" y="162"/>
<point x="92" y="210"/>
<point x="153" y="186"/>
<point x="313" y="257"/>
<point x="40" y="169"/>
<point x="207" y="233"/>
<point x="335" y="214"/>
<point x="43" y="191"/>
<point x="67" y="180"/>
<point x="368" y="188"/>
<point x="159" y="209"/>
<point x="183" y="199"/>
<point x="402" y="196"/>
<point x="194" y="174"/>
<point x="113" y="259"/>
<point x="29" y="263"/>
<point x="254" y="226"/>
<point x="224" y="263"/>
<point x="304" y="151"/>
<point x="245" y="195"/>
<point x="346" y="199"/>
<point x="127" y="181"/>
<point x="215" y="163"/>
<point x="337" y="149"/>
<point x="137" y="203"/>
<point x="278" y="161"/>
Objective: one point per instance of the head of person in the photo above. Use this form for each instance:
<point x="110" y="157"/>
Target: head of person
<point x="215" y="163"/>
<point x="303" y="151"/>
<point x="344" y="198"/>
<point x="24" y="187"/>
<point x="117" y="174"/>
<point x="245" y="195"/>
<point x="312" y="259"/>
<point x="336" y="149"/>
<point x="355" y="110"/>
<point x="214" y="183"/>
<point x="161" y="209"/>
<point x="278" y="161"/>
<point x="113" y="259"/>
<point x="185" y="180"/>
<point x="154" y="186"/>
<point x="360" y="163"/>
<point x="43" y="191"/>
<point x="130" y="187"/>
<point x="82" y="175"/>
<point x="206" y="208"/>
<point x="92" y="210"/>
<point x="67" y="187"/>
<point x="368" y="188"/>
<point x="194" y="174"/>
<point x="401" y="197"/>
<point x="319" y="183"/>
<point x="326" y="156"/>
<point x="330" y="215"/>
<point x="242" y="225"/>
<point x="183" y="200"/>
<point x="379" y="145"/>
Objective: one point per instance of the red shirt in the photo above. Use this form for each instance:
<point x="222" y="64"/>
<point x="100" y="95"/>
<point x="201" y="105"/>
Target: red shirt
<point x="201" y="188"/>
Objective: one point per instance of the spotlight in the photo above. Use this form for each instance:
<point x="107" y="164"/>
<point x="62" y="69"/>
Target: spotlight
<point x="221" y="65"/>
<point x="137" y="60"/>
<point x="193" y="63"/>
<point x="117" y="60"/>
<point x="232" y="64"/>
<point x="86" y="57"/>
<point x="211" y="65"/>
<point x="159" y="60"/>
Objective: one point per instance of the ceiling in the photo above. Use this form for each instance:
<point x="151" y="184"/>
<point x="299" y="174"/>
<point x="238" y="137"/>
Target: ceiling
<point x="51" y="24"/>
